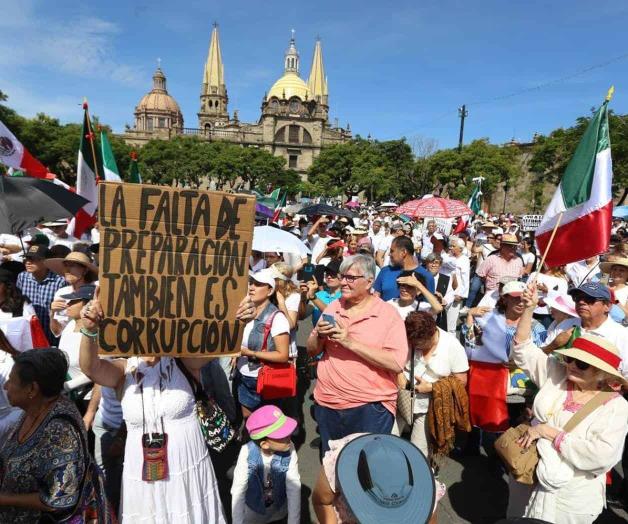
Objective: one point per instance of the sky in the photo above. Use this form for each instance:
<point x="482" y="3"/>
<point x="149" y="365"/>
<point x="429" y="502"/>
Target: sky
<point x="395" y="69"/>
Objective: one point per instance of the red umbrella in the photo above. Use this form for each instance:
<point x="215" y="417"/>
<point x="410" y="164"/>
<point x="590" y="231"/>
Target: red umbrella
<point x="434" y="207"/>
<point x="352" y="203"/>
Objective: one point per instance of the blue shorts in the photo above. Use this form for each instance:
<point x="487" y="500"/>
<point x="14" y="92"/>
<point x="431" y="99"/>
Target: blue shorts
<point x="247" y="392"/>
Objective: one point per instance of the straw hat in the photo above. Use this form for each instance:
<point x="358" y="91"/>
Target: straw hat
<point x="613" y="260"/>
<point x="509" y="238"/>
<point x="56" y="264"/>
<point x="597" y="351"/>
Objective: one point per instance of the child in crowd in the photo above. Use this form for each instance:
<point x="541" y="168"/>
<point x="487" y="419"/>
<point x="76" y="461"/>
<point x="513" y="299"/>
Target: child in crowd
<point x="266" y="482"/>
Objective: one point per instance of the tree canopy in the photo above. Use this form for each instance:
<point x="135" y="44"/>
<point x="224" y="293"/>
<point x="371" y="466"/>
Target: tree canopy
<point x="552" y="153"/>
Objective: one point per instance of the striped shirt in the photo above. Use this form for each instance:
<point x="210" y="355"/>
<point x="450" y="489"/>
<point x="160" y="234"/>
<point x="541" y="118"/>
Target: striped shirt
<point x="41" y="294"/>
<point x="495" y="267"/>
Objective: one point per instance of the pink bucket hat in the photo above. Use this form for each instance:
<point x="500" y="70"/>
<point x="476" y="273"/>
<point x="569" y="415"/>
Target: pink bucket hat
<point x="269" y="421"/>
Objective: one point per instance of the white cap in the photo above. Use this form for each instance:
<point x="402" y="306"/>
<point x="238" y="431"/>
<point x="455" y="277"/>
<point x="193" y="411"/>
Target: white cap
<point x="514" y="288"/>
<point x="497" y="231"/>
<point x="264" y="276"/>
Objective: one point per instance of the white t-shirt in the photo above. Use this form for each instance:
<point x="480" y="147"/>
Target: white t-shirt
<point x="448" y="357"/>
<point x="318" y="245"/>
<point x="292" y="304"/>
<point x="280" y="325"/>
<point x="609" y="329"/>
<point x="70" y="343"/>
<point x="528" y="258"/>
<point x="384" y="245"/>
<point x="580" y="272"/>
<point x="242" y="513"/>
<point x="404" y="311"/>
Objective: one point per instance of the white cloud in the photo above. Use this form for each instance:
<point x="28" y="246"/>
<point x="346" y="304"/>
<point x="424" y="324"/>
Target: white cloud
<point x="28" y="103"/>
<point x="81" y="46"/>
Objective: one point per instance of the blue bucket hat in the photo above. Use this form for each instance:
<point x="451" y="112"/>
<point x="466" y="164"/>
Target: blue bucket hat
<point x="386" y="479"/>
<point x="594" y="290"/>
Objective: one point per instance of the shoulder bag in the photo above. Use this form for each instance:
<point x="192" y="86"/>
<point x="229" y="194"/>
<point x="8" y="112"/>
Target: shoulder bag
<point x="215" y="425"/>
<point x="405" y="397"/>
<point x="521" y="463"/>
<point x="275" y="379"/>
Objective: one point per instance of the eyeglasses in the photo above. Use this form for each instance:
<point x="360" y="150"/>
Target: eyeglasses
<point x="582" y="366"/>
<point x="350" y="278"/>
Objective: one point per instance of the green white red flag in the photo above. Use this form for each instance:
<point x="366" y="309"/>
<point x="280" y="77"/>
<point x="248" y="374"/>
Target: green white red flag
<point x="109" y="167"/>
<point x="86" y="179"/>
<point x="583" y="203"/>
<point x="280" y="205"/>
<point x="134" y="170"/>
<point x="14" y="154"/>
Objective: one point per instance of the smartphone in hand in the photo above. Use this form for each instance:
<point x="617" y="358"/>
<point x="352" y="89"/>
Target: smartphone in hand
<point x="329" y="319"/>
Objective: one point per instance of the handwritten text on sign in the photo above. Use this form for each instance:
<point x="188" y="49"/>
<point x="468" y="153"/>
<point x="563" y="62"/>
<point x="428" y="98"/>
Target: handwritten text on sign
<point x="173" y="268"/>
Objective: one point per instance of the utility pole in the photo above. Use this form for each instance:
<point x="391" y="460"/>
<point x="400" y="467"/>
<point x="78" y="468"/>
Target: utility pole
<point x="462" y="113"/>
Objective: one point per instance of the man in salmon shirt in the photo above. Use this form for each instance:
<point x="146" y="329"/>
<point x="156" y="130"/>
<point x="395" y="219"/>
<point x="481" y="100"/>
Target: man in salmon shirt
<point x="364" y="346"/>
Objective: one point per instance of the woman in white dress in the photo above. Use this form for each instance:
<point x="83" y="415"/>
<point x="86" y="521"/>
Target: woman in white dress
<point x="571" y="473"/>
<point x="157" y="399"/>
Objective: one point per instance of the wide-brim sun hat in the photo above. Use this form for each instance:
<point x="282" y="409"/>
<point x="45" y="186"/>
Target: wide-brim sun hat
<point x="596" y="351"/>
<point x="385" y="478"/>
<point x="57" y="264"/>
<point x="510" y="239"/>
<point x="613" y="260"/>
<point x="563" y="303"/>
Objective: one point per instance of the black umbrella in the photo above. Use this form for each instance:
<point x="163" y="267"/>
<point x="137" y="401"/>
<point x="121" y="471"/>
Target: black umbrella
<point x="26" y="201"/>
<point x="324" y="209"/>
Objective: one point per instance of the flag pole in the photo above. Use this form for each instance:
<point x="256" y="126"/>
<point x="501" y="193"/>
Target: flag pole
<point x="91" y="138"/>
<point x="549" y="245"/>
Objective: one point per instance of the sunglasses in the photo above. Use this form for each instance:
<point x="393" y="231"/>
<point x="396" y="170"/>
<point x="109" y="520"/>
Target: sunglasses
<point x="329" y="274"/>
<point x="582" y="366"/>
<point x="577" y="297"/>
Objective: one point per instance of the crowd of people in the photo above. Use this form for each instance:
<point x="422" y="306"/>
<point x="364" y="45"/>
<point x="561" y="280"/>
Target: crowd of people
<point x="424" y="338"/>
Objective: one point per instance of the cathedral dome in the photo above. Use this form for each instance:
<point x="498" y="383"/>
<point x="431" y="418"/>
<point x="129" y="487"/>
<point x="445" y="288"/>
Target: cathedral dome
<point x="156" y="101"/>
<point x="289" y="85"/>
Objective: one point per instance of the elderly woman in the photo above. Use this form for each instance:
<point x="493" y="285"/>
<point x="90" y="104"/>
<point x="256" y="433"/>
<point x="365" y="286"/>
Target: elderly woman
<point x="77" y="269"/>
<point x="364" y="347"/>
<point x="42" y="462"/>
<point x="571" y="471"/>
<point x="437" y="354"/>
<point x="158" y="407"/>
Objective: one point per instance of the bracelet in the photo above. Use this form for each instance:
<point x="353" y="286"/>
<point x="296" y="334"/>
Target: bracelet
<point x="88" y="333"/>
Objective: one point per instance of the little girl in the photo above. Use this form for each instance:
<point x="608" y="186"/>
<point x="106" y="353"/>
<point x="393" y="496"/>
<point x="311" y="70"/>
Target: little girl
<point x="266" y="482"/>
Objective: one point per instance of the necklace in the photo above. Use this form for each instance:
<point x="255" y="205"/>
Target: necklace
<point x="27" y="433"/>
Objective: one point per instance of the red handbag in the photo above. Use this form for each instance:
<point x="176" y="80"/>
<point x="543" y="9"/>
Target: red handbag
<point x="37" y="334"/>
<point x="276" y="379"/>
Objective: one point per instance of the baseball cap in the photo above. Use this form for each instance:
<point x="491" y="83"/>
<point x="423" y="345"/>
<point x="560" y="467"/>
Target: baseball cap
<point x="592" y="289"/>
<point x="37" y="252"/>
<point x="514" y="288"/>
<point x="85" y="292"/>
<point x="264" y="276"/>
<point x="270" y="422"/>
<point x="39" y="239"/>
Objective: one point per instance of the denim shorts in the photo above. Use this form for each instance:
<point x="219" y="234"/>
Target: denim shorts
<point x="247" y="392"/>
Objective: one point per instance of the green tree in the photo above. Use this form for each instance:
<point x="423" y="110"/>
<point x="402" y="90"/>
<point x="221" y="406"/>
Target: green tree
<point x="552" y="153"/>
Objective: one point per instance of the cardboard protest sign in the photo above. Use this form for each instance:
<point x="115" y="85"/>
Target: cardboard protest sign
<point x="173" y="269"/>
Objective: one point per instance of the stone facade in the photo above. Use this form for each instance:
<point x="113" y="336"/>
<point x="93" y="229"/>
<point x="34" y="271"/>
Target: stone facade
<point x="294" y="120"/>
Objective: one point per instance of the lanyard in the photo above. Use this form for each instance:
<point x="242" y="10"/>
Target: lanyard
<point x="142" y="395"/>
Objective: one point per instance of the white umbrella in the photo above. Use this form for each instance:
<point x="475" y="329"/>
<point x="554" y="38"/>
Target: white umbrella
<point x="271" y="239"/>
<point x="388" y="204"/>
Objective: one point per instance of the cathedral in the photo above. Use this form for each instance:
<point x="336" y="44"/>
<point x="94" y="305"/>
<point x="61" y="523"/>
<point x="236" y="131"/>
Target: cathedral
<point x="294" y="119"/>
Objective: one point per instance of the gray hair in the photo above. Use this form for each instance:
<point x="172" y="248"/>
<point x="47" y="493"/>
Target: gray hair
<point x="366" y="263"/>
<point x="433" y="257"/>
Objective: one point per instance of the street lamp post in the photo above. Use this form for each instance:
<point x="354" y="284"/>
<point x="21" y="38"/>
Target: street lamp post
<point x="505" y="195"/>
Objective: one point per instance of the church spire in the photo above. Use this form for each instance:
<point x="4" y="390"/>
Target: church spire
<point x="214" y="99"/>
<point x="291" y="64"/>
<point x="214" y="76"/>
<point x="317" y="82"/>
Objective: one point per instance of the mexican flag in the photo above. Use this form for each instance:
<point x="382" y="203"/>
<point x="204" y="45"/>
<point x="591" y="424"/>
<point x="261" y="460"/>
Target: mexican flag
<point x="15" y="155"/>
<point x="86" y="179"/>
<point x="475" y="201"/>
<point x="280" y="204"/>
<point x="109" y="166"/>
<point x="583" y="202"/>
<point x="134" y="170"/>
